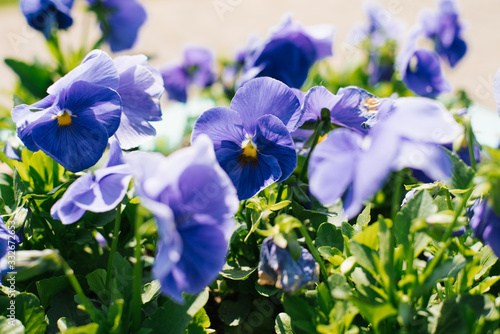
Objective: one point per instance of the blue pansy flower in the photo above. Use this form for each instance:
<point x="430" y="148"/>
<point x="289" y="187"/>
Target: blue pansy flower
<point x="355" y="166"/>
<point x="288" y="53"/>
<point x="252" y="137"/>
<point x="193" y="202"/>
<point x="45" y="15"/>
<point x="120" y="21"/>
<point x="421" y="69"/>
<point x="445" y="30"/>
<point x="72" y="125"/>
<point x="197" y="67"/>
<point x="141" y="87"/>
<point x="100" y="191"/>
<point x="485" y="223"/>
<point x="277" y="267"/>
<point x="352" y="107"/>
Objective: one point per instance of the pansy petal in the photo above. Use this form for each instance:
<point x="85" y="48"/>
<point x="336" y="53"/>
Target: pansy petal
<point x="77" y="146"/>
<point x="221" y="125"/>
<point x="104" y="102"/>
<point x="316" y="99"/>
<point x="197" y="268"/>
<point x="273" y="139"/>
<point x="124" y="21"/>
<point x="332" y="165"/>
<point x="65" y="209"/>
<point x="266" y="96"/>
<point x="115" y="155"/>
<point x="248" y="178"/>
<point x="176" y="82"/>
<point x="431" y="159"/>
<point x="97" y="68"/>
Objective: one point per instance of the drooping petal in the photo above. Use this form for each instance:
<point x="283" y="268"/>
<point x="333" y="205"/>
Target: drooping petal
<point x="203" y="255"/>
<point x="115" y="156"/>
<point x="431" y="159"/>
<point x="77" y="146"/>
<point x="333" y="164"/>
<point x="266" y="96"/>
<point x="273" y="139"/>
<point x="97" y="68"/>
<point x="221" y="125"/>
<point x="65" y="209"/>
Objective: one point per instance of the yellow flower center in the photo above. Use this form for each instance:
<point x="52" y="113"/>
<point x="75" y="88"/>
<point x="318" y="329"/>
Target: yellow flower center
<point x="323" y="137"/>
<point x="372" y="104"/>
<point x="249" y="154"/>
<point x="64" y="119"/>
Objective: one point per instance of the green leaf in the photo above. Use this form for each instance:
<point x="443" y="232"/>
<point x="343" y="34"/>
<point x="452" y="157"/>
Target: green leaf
<point x="11" y="326"/>
<point x="97" y="283"/>
<point x="19" y="187"/>
<point x="282" y="324"/>
<point x="329" y="235"/>
<point x="199" y="323"/>
<point x="421" y="205"/>
<point x="150" y="291"/>
<point x="364" y="217"/>
<point x="340" y="289"/>
<point x="487" y="259"/>
<point x="30" y="313"/>
<point x="369" y="237"/>
<point x="347" y="230"/>
<point x="332" y="255"/>
<point x="279" y="206"/>
<point x="374" y="312"/>
<point x="36" y="78"/>
<point x="87" y="329"/>
<point x="232" y="313"/>
<point x="462" y="174"/>
<point x="49" y="287"/>
<point x="365" y="256"/>
<point x="115" y="314"/>
<point x="173" y="318"/>
<point x="301" y="314"/>
<point x="237" y="273"/>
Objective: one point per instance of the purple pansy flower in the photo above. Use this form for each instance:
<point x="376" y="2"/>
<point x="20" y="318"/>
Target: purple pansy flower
<point x="120" y="21"/>
<point x="446" y="32"/>
<point x="193" y="203"/>
<point x="198" y="68"/>
<point x="8" y="238"/>
<point x="421" y="69"/>
<point x="288" y="53"/>
<point x="352" y="107"/>
<point x="72" y="125"/>
<point x="252" y="137"/>
<point x="100" y="191"/>
<point x="277" y="267"/>
<point x="45" y="15"/>
<point x="141" y="87"/>
<point x="356" y="166"/>
<point x="486" y="224"/>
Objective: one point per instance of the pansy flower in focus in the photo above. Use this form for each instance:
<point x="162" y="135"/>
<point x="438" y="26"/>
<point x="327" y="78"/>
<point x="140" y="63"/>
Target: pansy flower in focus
<point x="193" y="202"/>
<point x="354" y="166"/>
<point x="288" y="53"/>
<point x="252" y="137"/>
<point x="73" y="123"/>
<point x="100" y="191"/>
<point x="120" y="21"/>
<point x="45" y="15"/>
<point x="445" y="30"/>
<point x="197" y="67"/>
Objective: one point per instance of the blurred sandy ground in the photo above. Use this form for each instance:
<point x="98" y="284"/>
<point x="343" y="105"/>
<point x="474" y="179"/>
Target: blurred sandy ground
<point x="173" y="24"/>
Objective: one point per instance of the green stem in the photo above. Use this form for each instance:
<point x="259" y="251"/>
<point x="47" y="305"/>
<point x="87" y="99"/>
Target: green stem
<point x="114" y="246"/>
<point x="55" y="49"/>
<point x="137" y="286"/>
<point x="396" y="196"/>
<point x="448" y="200"/>
<point x="314" y="252"/>
<point x="94" y="315"/>
<point x="51" y="235"/>
<point x="316" y="135"/>
<point x="470" y="143"/>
